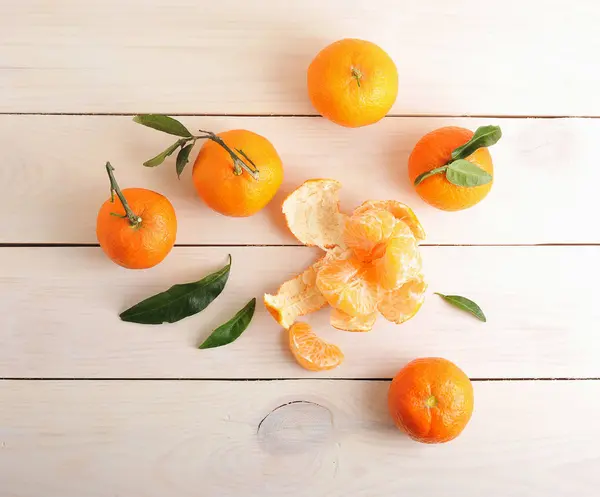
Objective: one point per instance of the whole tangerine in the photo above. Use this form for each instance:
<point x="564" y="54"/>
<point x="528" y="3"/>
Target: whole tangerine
<point x="434" y="150"/>
<point x="138" y="230"/>
<point x="352" y="82"/>
<point x="431" y="399"/>
<point x="237" y="172"/>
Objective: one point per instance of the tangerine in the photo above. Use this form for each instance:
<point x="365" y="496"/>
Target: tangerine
<point x="352" y="82"/>
<point x="138" y="231"/>
<point x="434" y="150"/>
<point x="431" y="399"/>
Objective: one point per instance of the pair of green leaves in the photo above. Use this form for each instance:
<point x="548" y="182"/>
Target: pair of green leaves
<point x="171" y="126"/>
<point x="181" y="301"/>
<point x="460" y="171"/>
<point x="241" y="161"/>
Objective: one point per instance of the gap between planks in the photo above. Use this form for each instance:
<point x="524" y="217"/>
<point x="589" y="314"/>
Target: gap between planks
<point x="110" y="379"/>
<point x="226" y="245"/>
<point x="308" y="116"/>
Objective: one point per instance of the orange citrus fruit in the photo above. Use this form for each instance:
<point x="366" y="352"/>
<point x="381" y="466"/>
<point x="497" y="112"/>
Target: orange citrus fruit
<point x="310" y="351"/>
<point x="372" y="263"/>
<point x="352" y="82"/>
<point x="431" y="399"/>
<point x="226" y="187"/>
<point x="137" y="228"/>
<point x="434" y="150"/>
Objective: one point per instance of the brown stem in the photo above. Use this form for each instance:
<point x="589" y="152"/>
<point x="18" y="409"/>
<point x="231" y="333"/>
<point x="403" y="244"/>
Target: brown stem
<point x="114" y="188"/>
<point x="356" y="74"/>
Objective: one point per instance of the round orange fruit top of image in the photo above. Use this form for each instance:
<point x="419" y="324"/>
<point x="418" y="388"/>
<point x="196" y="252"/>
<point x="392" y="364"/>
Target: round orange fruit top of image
<point x="352" y="82"/>
<point x="433" y="151"/>
<point x="230" y="190"/>
<point x="431" y="399"/>
<point x="141" y="235"/>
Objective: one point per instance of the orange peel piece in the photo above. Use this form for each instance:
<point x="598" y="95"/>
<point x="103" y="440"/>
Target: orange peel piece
<point x="300" y="295"/>
<point x="312" y="352"/>
<point x="403" y="303"/>
<point x="399" y="210"/>
<point x="312" y="213"/>
<point x="349" y="285"/>
<point x="368" y="232"/>
<point x="343" y="321"/>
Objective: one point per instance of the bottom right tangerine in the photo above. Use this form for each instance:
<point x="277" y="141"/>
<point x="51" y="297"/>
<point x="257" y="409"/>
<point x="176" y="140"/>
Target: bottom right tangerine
<point x="431" y="399"/>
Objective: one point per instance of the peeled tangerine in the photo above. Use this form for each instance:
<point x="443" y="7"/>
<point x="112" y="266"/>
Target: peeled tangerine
<point x="372" y="265"/>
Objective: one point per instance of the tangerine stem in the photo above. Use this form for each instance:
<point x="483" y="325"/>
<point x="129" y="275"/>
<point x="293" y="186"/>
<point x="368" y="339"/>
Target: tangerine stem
<point x="419" y="179"/>
<point x="114" y="188"/>
<point x="356" y="74"/>
<point x="238" y="164"/>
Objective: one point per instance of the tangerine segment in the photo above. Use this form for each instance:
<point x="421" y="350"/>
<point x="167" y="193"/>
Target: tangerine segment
<point x="312" y="213"/>
<point x="401" y="260"/>
<point x="349" y="285"/>
<point x="399" y="211"/>
<point x="402" y="304"/>
<point x="310" y="351"/>
<point x="367" y="233"/>
<point x="343" y="321"/>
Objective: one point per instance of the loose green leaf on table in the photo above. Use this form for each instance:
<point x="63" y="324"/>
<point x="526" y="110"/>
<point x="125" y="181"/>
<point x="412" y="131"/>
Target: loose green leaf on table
<point x="464" y="173"/>
<point x="232" y="329"/>
<point x="163" y="123"/>
<point x="183" y="158"/>
<point x="465" y="304"/>
<point x="160" y="158"/>
<point x="485" y="136"/>
<point x="179" y="301"/>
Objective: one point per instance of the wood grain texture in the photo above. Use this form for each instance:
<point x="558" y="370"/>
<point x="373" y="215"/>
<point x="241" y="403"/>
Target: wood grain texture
<point x="59" y="316"/>
<point x="544" y="189"/>
<point x="189" y="56"/>
<point x="102" y="439"/>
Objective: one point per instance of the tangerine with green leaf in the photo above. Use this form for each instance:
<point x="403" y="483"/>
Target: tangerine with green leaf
<point x="236" y="172"/>
<point x="451" y="167"/>
<point x="136" y="227"/>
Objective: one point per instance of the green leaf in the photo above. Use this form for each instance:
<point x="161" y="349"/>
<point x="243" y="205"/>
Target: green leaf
<point x="465" y="304"/>
<point x="160" y="158"/>
<point x="179" y="301"/>
<point x="485" y="136"/>
<point x="163" y="123"/>
<point x="464" y="173"/>
<point x="232" y="329"/>
<point x="183" y="158"/>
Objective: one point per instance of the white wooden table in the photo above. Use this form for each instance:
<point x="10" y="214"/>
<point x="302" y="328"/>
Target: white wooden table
<point x="92" y="406"/>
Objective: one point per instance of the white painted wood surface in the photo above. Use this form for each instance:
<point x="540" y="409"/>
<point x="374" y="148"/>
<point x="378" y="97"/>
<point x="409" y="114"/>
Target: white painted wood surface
<point x="102" y="439"/>
<point x="213" y="61"/>
<point x="188" y="56"/>
<point x="59" y="316"/>
<point x="545" y="185"/>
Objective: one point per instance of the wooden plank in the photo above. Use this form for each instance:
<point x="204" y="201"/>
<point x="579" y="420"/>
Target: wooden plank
<point x="190" y="56"/>
<point x="101" y="439"/>
<point x="59" y="316"/>
<point x="544" y="191"/>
